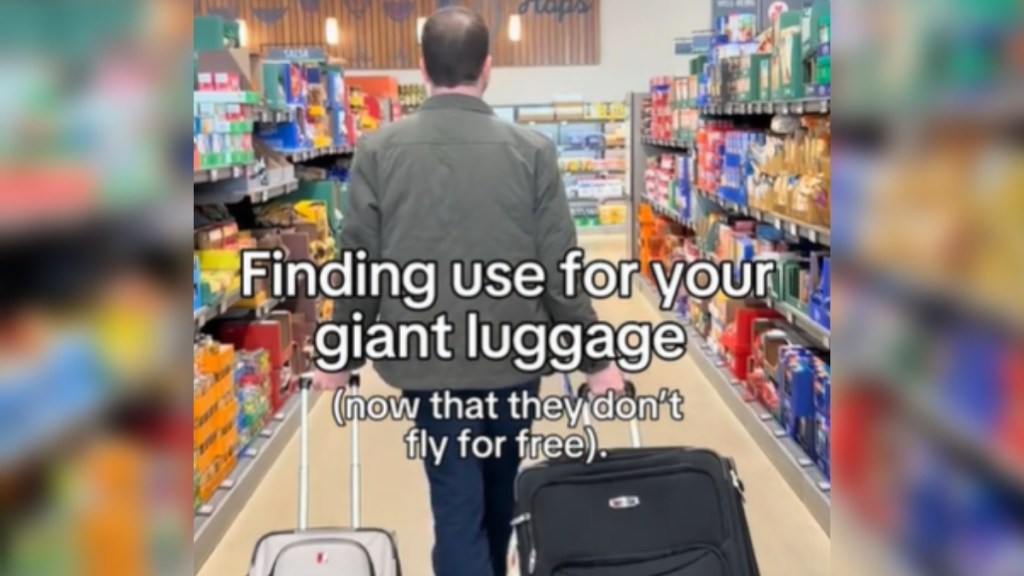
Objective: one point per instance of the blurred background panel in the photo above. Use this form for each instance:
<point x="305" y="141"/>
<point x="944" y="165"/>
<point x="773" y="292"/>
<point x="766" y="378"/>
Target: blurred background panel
<point x="929" y="434"/>
<point x="93" y="242"/>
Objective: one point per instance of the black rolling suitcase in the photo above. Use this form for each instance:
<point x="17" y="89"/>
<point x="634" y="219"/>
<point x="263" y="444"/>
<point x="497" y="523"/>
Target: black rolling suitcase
<point x="638" y="512"/>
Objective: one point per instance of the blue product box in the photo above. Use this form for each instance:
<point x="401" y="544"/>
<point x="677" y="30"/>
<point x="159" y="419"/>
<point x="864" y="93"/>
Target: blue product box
<point x="285" y="136"/>
<point x="313" y="75"/>
<point x="294" y="92"/>
<point x="335" y="91"/>
<point x="823" y="388"/>
<point x="339" y="133"/>
<point x="797" y="380"/>
<point x="821" y="300"/>
<point x="823" y="444"/>
<point x="197" y="302"/>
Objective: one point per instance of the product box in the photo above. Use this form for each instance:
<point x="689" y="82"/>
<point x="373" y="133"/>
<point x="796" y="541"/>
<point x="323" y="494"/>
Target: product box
<point x="815" y="27"/>
<point x="286" y="136"/>
<point x="335" y="90"/>
<point x="787" y="57"/>
<point x="273" y="89"/>
<point x="823" y="444"/>
<point x="748" y="82"/>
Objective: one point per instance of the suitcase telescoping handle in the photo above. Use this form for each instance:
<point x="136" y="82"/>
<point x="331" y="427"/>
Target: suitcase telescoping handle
<point x="305" y="388"/>
<point x="583" y="392"/>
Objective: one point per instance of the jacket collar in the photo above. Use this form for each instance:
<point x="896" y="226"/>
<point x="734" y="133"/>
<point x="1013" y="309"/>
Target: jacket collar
<point x="457" y="102"/>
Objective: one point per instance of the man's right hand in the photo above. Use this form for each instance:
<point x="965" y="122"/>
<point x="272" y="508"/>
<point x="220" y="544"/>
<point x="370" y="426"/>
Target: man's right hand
<point x="329" y="382"/>
<point x="610" y="378"/>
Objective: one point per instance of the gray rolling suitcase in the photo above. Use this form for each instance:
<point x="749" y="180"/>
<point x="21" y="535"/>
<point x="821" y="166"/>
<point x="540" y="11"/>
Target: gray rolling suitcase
<point x="354" y="551"/>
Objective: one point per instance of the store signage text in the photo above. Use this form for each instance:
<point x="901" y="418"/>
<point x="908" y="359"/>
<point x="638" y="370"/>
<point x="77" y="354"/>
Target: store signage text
<point x="558" y="8"/>
<point x="296" y="54"/>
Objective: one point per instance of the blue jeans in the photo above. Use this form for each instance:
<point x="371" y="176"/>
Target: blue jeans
<point x="473" y="499"/>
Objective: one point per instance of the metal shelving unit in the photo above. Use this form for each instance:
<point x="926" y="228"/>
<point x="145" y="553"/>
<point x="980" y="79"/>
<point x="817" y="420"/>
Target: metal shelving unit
<point x="795" y="466"/>
<point x="212" y="520"/>
<point x="785" y="454"/>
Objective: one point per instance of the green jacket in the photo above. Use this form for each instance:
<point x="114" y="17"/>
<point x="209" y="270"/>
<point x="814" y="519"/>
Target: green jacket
<point x="454" y="182"/>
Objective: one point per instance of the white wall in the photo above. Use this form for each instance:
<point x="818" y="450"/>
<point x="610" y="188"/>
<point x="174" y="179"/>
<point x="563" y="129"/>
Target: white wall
<point x="636" y="44"/>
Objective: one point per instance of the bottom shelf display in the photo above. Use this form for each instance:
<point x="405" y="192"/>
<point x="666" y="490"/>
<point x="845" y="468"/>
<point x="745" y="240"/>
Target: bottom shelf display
<point x="215" y="516"/>
<point x="794" y="435"/>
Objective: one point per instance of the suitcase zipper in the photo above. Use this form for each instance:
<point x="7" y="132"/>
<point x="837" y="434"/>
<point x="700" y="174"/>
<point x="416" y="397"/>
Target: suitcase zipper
<point x="626" y="561"/>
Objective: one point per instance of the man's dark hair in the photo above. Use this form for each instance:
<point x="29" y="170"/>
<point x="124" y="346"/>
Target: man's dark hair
<point x="456" y="44"/>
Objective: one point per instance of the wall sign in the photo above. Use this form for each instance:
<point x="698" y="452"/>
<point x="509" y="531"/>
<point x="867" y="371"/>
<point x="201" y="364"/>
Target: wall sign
<point x="297" y="54"/>
<point x="725" y="8"/>
<point x="381" y="34"/>
<point x="558" y="8"/>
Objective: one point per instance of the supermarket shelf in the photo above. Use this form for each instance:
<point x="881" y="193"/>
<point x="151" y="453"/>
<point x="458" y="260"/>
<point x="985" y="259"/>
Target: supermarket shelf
<point x="664" y="210"/>
<point x="609" y="199"/>
<point x="227" y="309"/>
<point x="260" y="312"/>
<point x="941" y="295"/>
<point x="969" y="448"/>
<point x="218" y="174"/>
<point x="570" y="120"/>
<point x="206" y="313"/>
<point x="785" y="455"/>
<point x="304" y="155"/>
<point x="269" y="116"/>
<point x="673" y="144"/>
<point x="616" y="172"/>
<point x="214" y="519"/>
<point x="208" y="197"/>
<point x="602" y="230"/>
<point x="818" y="334"/>
<point x="816" y="234"/>
<point x="803" y="106"/>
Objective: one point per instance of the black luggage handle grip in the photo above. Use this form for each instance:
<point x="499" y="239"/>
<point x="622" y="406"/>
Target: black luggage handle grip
<point x="584" y="390"/>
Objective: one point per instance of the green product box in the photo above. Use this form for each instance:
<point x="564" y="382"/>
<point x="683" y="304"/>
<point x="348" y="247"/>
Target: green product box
<point x="765" y="80"/>
<point x="823" y="71"/>
<point x="787" y="48"/>
<point x="232" y="35"/>
<point x="273" y="92"/>
<point x="748" y="83"/>
<point x="213" y="160"/>
<point x="811" y="23"/>
<point x="697" y="65"/>
<point x="208" y="33"/>
<point x="788" y="81"/>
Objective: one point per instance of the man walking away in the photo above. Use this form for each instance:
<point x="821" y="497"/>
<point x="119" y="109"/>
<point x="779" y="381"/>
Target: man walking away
<point x="454" y="183"/>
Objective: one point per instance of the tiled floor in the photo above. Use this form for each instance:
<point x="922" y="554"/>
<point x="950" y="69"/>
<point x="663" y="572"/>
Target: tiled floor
<point x="788" y="541"/>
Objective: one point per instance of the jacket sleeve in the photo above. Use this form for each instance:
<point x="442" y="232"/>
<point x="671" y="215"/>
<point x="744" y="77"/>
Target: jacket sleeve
<point x="360" y="230"/>
<point x="556" y="237"/>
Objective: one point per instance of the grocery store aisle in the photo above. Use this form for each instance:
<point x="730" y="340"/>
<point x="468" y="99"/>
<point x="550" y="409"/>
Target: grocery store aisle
<point x="788" y="540"/>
